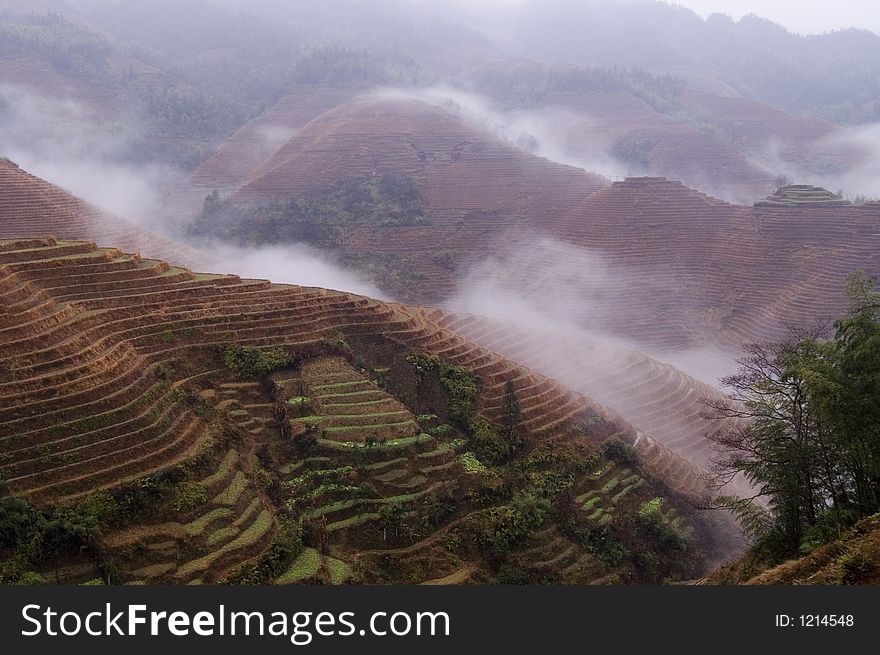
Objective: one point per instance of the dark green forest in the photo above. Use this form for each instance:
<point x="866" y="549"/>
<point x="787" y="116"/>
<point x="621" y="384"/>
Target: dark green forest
<point x="319" y="219"/>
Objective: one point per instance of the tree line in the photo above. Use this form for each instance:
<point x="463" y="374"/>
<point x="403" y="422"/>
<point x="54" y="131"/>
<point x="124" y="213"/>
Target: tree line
<point x="801" y="422"/>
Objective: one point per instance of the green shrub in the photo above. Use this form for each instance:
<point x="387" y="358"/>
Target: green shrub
<point x="489" y="444"/>
<point x="651" y="507"/>
<point x="461" y="385"/>
<point x="254" y="363"/>
<point x="620" y="451"/>
<point x="506" y="527"/>
<point x="855" y="568"/>
<point x="278" y="557"/>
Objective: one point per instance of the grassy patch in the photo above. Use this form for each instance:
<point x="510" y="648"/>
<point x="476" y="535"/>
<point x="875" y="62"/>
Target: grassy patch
<point x="403" y="442"/>
<point x="222" y="471"/>
<point x="304" y="566"/>
<point x="651" y="507"/>
<point x="198" y="526"/>
<point x="626" y="490"/>
<point x="314" y="473"/>
<point x="231" y="494"/>
<point x="351" y="522"/>
<point x="339" y="570"/>
<point x="188" y="495"/>
<point x="221" y="535"/>
<point x="589" y="504"/>
<point x="341" y="385"/>
<point x="610" y="485"/>
<point x="374" y="426"/>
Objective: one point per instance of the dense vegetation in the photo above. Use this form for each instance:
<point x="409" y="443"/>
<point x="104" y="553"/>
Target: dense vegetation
<point x="32" y="538"/>
<point x="527" y="86"/>
<point x="522" y="488"/>
<point x="253" y="363"/>
<point x="807" y="431"/>
<point x="191" y="73"/>
<point x="318" y="219"/>
<point x="340" y="66"/>
<point x="67" y="47"/>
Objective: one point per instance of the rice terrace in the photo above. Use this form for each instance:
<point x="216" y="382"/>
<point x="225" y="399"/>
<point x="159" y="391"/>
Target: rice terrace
<point x="436" y="293"/>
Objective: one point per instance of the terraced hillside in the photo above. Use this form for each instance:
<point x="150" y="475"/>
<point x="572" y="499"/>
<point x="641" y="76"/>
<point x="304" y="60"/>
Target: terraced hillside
<point x="256" y="432"/>
<point x="474" y="189"/>
<point x="740" y="271"/>
<point x="258" y="139"/>
<point x="32" y="207"/>
<point x="766" y="133"/>
<point x="653" y="143"/>
<point x="461" y="169"/>
<point x="723" y="145"/>
<point x="656" y="398"/>
<point x="686" y="269"/>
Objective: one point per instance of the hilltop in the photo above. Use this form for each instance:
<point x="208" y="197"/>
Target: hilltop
<point x="466" y="191"/>
<point x="802" y="195"/>
<point x="740" y="273"/>
<point x="406" y="137"/>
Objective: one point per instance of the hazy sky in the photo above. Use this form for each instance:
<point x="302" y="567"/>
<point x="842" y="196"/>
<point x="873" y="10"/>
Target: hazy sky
<point x="803" y="16"/>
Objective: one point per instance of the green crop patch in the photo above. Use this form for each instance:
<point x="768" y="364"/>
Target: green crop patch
<point x="352" y="522"/>
<point x="199" y="525"/>
<point x="590" y="503"/>
<point x="223" y="534"/>
<point x="611" y="484"/>
<point x="471" y="463"/>
<point x="231" y="494"/>
<point x="339" y="570"/>
<point x="373" y="426"/>
<point x="306" y="565"/>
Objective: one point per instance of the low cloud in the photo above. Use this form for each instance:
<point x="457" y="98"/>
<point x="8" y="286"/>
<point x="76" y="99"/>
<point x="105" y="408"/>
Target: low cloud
<point x="293" y="264"/>
<point x="543" y="131"/>
<point x="94" y="158"/>
<point x="553" y="287"/>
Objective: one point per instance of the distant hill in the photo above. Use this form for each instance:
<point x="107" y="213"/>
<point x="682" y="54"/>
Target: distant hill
<point x="834" y="75"/>
<point x="693" y="268"/>
<point x="472" y="187"/>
